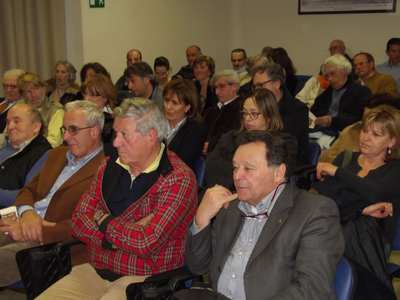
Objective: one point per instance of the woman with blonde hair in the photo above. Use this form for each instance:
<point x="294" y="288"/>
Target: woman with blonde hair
<point x="33" y="90"/>
<point x="365" y="187"/>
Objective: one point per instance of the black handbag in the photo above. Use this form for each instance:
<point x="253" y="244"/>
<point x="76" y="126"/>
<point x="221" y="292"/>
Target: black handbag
<point x="160" y="286"/>
<point x="41" y="266"/>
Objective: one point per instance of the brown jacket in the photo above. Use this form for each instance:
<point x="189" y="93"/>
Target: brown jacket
<point x="65" y="199"/>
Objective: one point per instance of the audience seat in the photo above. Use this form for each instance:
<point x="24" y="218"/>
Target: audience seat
<point x="199" y="170"/>
<point x="344" y="280"/>
<point x="301" y="81"/>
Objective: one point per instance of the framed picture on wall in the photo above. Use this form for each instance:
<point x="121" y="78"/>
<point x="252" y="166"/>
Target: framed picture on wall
<point x="345" y="6"/>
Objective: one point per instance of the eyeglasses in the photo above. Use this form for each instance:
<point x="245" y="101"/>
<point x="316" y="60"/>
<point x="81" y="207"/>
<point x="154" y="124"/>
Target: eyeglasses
<point x="73" y="130"/>
<point x="261" y="84"/>
<point x="253" y="115"/>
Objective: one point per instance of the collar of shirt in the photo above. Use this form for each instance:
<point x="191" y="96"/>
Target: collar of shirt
<point x="21" y="146"/>
<point x="265" y="205"/>
<point x="152" y="167"/>
<point x="72" y="161"/>
<point x="220" y="104"/>
<point x="171" y="130"/>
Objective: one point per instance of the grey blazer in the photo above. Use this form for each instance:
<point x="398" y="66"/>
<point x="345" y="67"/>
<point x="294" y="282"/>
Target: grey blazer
<point x="295" y="256"/>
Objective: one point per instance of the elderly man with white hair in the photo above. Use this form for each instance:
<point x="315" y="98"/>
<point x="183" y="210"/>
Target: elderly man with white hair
<point x="225" y="115"/>
<point x="343" y="102"/>
<point x="11" y="94"/>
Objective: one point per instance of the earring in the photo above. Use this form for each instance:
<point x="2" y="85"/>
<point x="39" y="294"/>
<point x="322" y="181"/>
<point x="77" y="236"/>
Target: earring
<point x="389" y="151"/>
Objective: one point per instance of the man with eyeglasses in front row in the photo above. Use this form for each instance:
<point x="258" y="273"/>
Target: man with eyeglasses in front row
<point x="46" y="203"/>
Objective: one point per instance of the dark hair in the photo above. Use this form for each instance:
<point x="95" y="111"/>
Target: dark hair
<point x="278" y="145"/>
<point x="281" y="57"/>
<point x="383" y="99"/>
<point x="186" y="92"/>
<point x="392" y="41"/>
<point x="208" y="60"/>
<point x="161" y="61"/>
<point x="240" y="50"/>
<point x="368" y="56"/>
<point x="96" y="67"/>
<point x="141" y="69"/>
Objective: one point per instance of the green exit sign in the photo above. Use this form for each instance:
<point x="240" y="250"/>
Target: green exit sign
<point x="96" y="3"/>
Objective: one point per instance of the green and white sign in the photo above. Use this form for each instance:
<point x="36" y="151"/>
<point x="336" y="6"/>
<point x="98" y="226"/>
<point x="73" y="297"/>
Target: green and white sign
<point x="96" y="3"/>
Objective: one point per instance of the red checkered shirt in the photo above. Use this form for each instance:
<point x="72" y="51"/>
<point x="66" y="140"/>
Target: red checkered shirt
<point x="140" y="250"/>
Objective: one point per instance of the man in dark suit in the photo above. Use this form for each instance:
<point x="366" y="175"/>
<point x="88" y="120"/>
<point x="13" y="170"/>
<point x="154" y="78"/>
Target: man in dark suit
<point x="294" y="113"/>
<point x="186" y="72"/>
<point x="269" y="240"/>
<point x="342" y="103"/>
<point x="23" y="153"/>
<point x="225" y="115"/>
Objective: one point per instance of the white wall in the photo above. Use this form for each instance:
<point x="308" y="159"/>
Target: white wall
<point x="306" y="37"/>
<point x="160" y="27"/>
<point x="156" y="27"/>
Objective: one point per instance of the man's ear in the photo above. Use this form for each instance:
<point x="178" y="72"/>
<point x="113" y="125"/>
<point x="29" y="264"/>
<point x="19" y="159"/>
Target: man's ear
<point x="95" y="131"/>
<point x="152" y="135"/>
<point x="36" y="126"/>
<point x="146" y="80"/>
<point x="279" y="173"/>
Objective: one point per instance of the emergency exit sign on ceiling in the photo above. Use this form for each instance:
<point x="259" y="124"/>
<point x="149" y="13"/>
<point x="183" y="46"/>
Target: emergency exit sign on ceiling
<point x="96" y="3"/>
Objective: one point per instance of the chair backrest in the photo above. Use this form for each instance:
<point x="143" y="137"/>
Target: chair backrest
<point x="199" y="170"/>
<point x="396" y="238"/>
<point x="314" y="151"/>
<point x="301" y="81"/>
<point x="344" y="280"/>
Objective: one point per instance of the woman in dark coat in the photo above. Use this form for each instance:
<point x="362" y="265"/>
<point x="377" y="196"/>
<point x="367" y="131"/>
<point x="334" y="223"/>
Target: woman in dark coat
<point x="259" y="112"/>
<point x="357" y="180"/>
<point x="186" y="134"/>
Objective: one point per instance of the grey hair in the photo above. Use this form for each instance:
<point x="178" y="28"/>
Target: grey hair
<point x="273" y="70"/>
<point x="12" y="74"/>
<point x="231" y="76"/>
<point x="147" y="115"/>
<point x="94" y="115"/>
<point x="338" y="61"/>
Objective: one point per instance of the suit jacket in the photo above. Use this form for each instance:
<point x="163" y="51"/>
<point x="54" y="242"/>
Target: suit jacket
<point x="3" y="117"/>
<point x="351" y="105"/>
<point x="65" y="199"/>
<point x="294" y="115"/>
<point x="221" y="120"/>
<point x="13" y="171"/>
<point x="188" y="142"/>
<point x="295" y="256"/>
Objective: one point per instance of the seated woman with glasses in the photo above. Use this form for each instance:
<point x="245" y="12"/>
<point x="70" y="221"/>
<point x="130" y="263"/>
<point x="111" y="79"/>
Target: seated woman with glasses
<point x="33" y="90"/>
<point x="186" y="134"/>
<point x="259" y="112"/>
<point x="365" y="187"/>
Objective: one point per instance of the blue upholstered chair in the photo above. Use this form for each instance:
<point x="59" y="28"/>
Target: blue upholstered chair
<point x="199" y="170"/>
<point x="344" y="280"/>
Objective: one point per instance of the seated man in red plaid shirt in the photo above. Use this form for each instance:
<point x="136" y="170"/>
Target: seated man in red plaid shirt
<point x="135" y="216"/>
